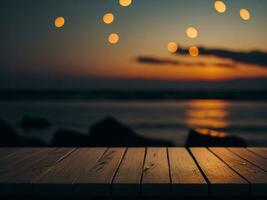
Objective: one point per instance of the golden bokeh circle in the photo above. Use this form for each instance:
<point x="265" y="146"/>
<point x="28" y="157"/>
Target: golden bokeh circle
<point x="125" y="3"/>
<point x="172" y="47"/>
<point x="108" y="18"/>
<point x="59" y="22"/>
<point x="191" y="32"/>
<point x="220" y="6"/>
<point x="113" y="38"/>
<point x="194" y="51"/>
<point x="244" y="14"/>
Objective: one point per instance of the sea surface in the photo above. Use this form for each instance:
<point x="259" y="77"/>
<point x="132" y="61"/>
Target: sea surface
<point x="167" y="119"/>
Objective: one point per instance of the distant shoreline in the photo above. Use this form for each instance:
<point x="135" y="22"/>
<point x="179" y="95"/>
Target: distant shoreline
<point x="137" y="95"/>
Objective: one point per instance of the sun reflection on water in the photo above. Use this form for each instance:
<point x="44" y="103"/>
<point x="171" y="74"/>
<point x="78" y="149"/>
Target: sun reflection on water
<point x="207" y="113"/>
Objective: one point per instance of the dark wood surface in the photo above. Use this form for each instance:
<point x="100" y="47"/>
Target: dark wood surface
<point x="133" y="172"/>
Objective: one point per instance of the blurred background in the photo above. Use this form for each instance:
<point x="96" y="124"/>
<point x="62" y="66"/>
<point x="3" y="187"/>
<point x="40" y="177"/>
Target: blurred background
<point x="160" y="67"/>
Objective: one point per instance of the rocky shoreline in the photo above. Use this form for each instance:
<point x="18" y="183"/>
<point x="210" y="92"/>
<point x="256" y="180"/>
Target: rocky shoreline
<point x="107" y="132"/>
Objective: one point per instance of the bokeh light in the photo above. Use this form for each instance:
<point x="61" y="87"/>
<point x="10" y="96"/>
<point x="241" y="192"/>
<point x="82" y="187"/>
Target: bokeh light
<point x="245" y="14"/>
<point x="172" y="47"/>
<point x="125" y="3"/>
<point x="108" y="18"/>
<point x="220" y="6"/>
<point x="59" y="22"/>
<point x="194" y="51"/>
<point x="113" y="38"/>
<point x="192" y="32"/>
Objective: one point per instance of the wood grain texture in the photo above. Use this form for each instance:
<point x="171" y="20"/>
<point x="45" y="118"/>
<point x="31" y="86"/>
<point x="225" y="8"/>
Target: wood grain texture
<point x="259" y="151"/>
<point x="186" y="178"/>
<point x="58" y="180"/>
<point x="24" y="159"/>
<point x="128" y="178"/>
<point x="156" y="176"/>
<point x="129" y="173"/>
<point x="6" y="151"/>
<point x="26" y="165"/>
<point x="223" y="180"/>
<point x="251" y="157"/>
<point x="256" y="176"/>
<point x="98" y="178"/>
<point x="17" y="156"/>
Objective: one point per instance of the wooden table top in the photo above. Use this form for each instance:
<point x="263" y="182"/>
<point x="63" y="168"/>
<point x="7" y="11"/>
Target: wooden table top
<point x="133" y="172"/>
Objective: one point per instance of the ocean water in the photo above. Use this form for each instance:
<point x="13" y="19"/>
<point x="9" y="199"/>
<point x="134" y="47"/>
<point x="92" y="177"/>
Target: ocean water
<point x="166" y="119"/>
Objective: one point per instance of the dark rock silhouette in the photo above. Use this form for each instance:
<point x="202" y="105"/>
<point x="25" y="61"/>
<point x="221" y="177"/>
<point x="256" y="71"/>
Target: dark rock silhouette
<point x="8" y="135"/>
<point x="110" y="132"/>
<point x="70" y="138"/>
<point x="34" y="123"/>
<point x="9" y="138"/>
<point x="209" y="138"/>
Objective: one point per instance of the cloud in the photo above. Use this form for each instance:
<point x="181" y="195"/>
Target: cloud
<point x="251" y="57"/>
<point x="159" y="61"/>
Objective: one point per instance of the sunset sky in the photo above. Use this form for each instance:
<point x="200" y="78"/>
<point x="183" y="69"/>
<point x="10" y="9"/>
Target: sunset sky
<point x="36" y="54"/>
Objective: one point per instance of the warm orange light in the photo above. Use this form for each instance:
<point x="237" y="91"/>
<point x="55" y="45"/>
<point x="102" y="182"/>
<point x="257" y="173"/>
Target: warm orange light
<point x="211" y="133"/>
<point x="193" y="51"/>
<point x="207" y="123"/>
<point x="208" y="104"/>
<point x="220" y="6"/>
<point x="244" y="14"/>
<point x="59" y="22"/>
<point x="108" y="18"/>
<point x="113" y="38"/>
<point x="172" y="47"/>
<point x="125" y="3"/>
<point x="192" y="32"/>
<point x="207" y="114"/>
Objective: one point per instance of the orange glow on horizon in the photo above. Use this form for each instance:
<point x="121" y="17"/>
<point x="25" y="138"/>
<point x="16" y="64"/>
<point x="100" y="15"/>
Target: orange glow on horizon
<point x="172" y="73"/>
<point x="118" y="64"/>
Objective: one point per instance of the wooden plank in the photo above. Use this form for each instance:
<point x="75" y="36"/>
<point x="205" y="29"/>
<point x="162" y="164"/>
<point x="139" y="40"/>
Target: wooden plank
<point x="98" y="172"/>
<point x="20" y="159"/>
<point x="58" y="180"/>
<point x="17" y="155"/>
<point x="259" y="151"/>
<point x="186" y="178"/>
<point x="6" y="152"/>
<point x="16" y="180"/>
<point x="128" y="178"/>
<point x="156" y="176"/>
<point x="256" y="176"/>
<point x="251" y="157"/>
<point x="223" y="180"/>
<point x="98" y="179"/>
